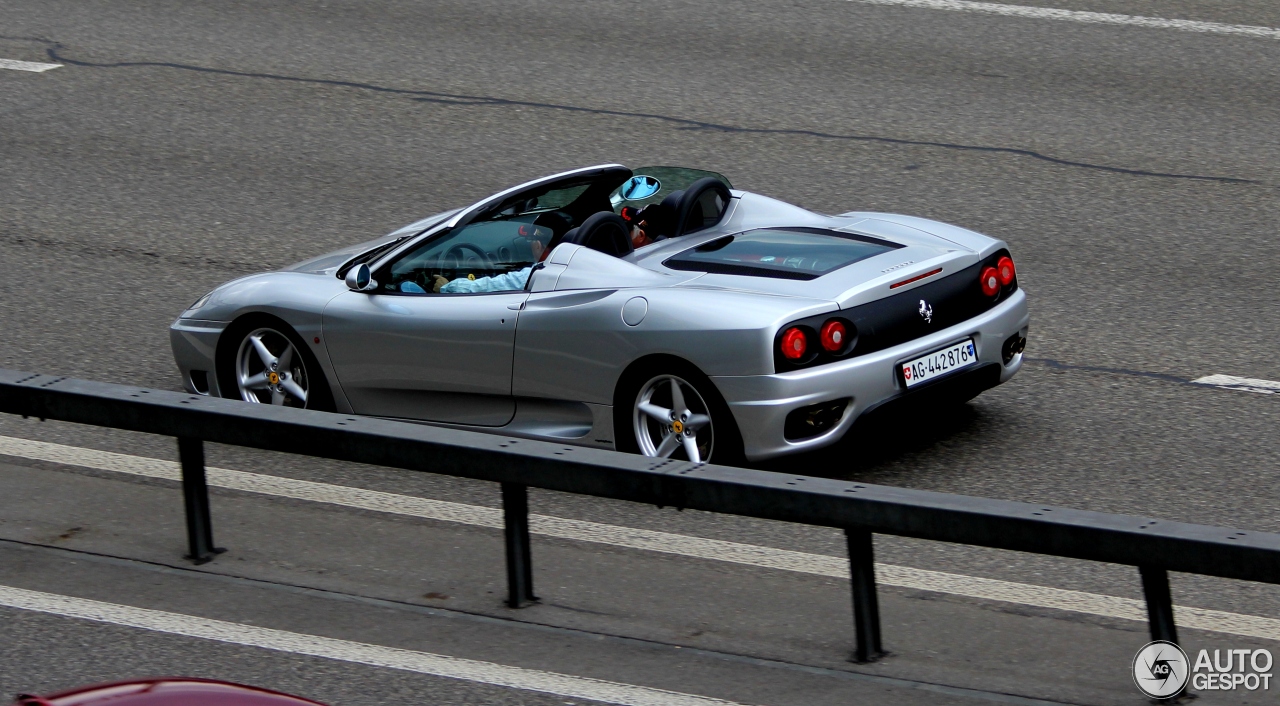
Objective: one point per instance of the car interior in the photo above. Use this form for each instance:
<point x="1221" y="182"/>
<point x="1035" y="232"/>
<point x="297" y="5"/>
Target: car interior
<point x="497" y="249"/>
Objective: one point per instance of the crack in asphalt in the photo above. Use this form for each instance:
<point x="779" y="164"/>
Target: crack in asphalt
<point x="134" y="254"/>
<point x="1059" y="365"/>
<point x="37" y="40"/>
<point x="1052" y="364"/>
<point x="55" y="49"/>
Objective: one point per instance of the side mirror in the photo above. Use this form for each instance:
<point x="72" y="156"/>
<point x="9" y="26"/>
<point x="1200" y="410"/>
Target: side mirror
<point x="359" y="279"/>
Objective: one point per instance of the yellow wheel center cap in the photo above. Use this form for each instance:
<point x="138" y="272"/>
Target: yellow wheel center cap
<point x="677" y="426"/>
<point x="273" y="378"/>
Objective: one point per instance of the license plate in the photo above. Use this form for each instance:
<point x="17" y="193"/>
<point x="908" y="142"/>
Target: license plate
<point x="939" y="363"/>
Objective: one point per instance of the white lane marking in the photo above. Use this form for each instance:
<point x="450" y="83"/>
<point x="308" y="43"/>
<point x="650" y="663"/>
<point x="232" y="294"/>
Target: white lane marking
<point x="16" y="65"/>
<point x="1231" y="382"/>
<point x="358" y="652"/>
<point x="1100" y="18"/>
<point x="649" y="540"/>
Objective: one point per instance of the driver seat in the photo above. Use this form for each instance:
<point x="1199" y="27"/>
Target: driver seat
<point x="604" y="232"/>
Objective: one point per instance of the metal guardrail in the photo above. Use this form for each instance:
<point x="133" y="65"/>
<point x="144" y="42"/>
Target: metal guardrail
<point x="1154" y="546"/>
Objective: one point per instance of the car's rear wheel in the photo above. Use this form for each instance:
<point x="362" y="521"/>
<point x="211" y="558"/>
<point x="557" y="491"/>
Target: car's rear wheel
<point x="675" y="412"/>
<point x="267" y="363"/>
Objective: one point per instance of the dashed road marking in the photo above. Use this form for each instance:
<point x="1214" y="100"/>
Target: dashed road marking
<point x="1097" y="18"/>
<point x="649" y="540"/>
<point x="16" y="65"/>
<point x="1231" y="382"/>
<point x="347" y="651"/>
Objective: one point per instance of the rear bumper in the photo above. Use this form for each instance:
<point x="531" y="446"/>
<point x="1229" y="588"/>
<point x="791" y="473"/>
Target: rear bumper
<point x="761" y="403"/>
<point x="194" y="342"/>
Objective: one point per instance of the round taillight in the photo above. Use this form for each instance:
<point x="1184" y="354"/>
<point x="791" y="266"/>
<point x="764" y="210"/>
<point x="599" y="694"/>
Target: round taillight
<point x="1004" y="267"/>
<point x="833" y="335"/>
<point x="794" y="344"/>
<point x="990" y="281"/>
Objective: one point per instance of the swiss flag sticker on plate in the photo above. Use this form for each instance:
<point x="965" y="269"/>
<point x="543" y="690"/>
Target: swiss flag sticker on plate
<point x="906" y="371"/>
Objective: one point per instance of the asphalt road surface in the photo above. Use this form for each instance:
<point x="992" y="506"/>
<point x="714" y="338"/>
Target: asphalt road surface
<point x="1132" y="169"/>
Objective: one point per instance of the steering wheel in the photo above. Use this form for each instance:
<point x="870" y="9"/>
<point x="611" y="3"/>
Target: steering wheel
<point x="453" y="253"/>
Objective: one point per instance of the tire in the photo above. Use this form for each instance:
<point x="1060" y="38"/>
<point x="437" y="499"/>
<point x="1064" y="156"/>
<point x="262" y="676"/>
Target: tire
<point x="648" y="420"/>
<point x="298" y="381"/>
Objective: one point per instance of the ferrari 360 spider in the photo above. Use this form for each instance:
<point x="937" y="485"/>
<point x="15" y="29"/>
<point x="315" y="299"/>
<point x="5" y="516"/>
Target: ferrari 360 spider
<point x="656" y="311"/>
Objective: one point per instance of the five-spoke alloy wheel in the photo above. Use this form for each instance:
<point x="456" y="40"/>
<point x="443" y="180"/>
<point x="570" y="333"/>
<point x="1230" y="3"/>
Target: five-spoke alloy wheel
<point x="270" y="370"/>
<point x="670" y="419"/>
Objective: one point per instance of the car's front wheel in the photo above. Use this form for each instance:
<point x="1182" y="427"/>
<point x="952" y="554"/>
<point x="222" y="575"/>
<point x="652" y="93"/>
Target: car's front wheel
<point x="267" y="363"/>
<point x="675" y="413"/>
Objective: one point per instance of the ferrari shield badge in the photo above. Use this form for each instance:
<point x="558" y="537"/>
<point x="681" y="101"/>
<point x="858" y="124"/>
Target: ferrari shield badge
<point x="640" y="187"/>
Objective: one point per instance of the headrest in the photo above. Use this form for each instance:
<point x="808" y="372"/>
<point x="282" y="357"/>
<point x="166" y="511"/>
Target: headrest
<point x="700" y="206"/>
<point x="605" y="232"/>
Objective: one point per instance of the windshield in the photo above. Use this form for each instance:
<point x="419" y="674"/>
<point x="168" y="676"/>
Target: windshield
<point x="495" y="255"/>
<point x="785" y="253"/>
<point x="550" y="198"/>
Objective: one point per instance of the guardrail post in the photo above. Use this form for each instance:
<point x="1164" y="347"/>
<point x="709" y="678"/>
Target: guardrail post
<point x="866" y="609"/>
<point x="515" y="516"/>
<point x="1155" y="588"/>
<point x="195" y="495"/>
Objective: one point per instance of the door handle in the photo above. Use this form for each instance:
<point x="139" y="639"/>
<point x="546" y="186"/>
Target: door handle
<point x="516" y="307"/>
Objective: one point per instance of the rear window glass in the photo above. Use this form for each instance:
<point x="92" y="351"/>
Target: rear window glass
<point x="785" y="253"/>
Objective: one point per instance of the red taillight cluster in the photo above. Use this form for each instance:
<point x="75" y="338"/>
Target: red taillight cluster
<point x="990" y="281"/>
<point x="993" y="278"/>
<point x="794" y="344"/>
<point x="1004" y="268"/>
<point x="797" y="346"/>
<point x="833" y="335"/>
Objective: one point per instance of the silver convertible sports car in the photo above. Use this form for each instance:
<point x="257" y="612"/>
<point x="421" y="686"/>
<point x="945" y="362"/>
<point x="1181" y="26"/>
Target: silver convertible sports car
<point x="656" y="311"/>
